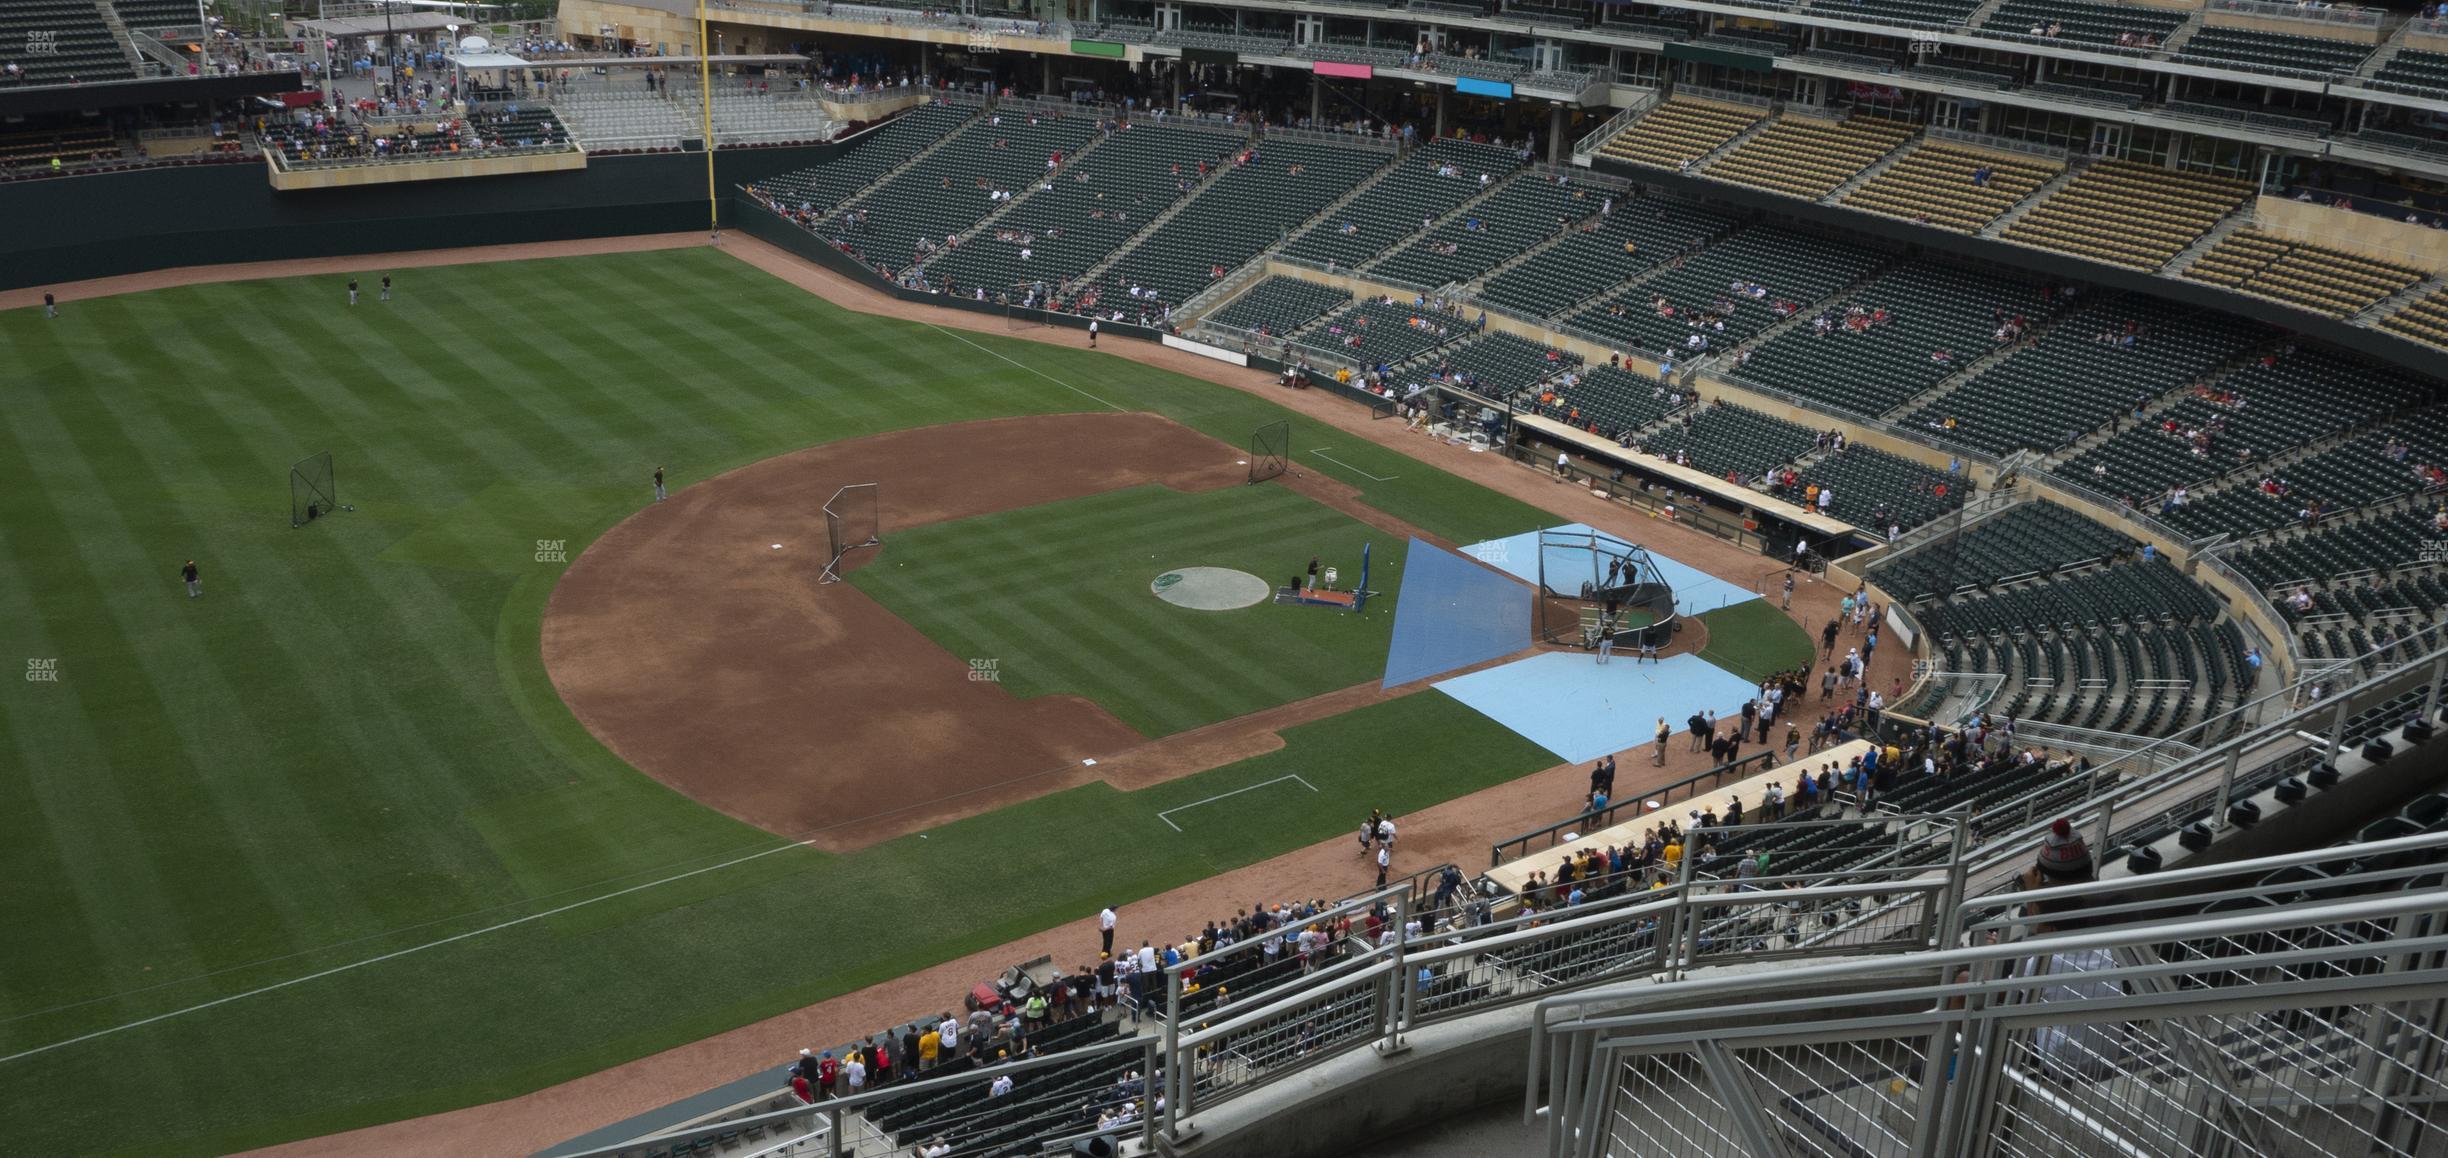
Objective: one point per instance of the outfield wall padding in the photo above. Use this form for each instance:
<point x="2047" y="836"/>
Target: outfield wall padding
<point x="107" y="224"/>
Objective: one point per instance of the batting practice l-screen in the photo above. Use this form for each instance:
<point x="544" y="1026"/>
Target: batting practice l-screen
<point x="851" y="522"/>
<point x="313" y="492"/>
<point x="1270" y="450"/>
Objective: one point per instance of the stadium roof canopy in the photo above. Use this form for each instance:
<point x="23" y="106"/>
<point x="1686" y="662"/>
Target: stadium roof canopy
<point x="377" y="26"/>
<point x="485" y="60"/>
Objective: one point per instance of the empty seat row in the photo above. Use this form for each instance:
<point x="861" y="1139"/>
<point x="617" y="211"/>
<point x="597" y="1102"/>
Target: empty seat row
<point x="1807" y="156"/>
<point x="2317" y="278"/>
<point x="2128" y="214"/>
<point x="1680" y="131"/>
<point x="1951" y="187"/>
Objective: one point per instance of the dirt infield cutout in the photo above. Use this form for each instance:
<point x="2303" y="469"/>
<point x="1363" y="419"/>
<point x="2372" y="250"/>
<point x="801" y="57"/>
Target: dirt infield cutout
<point x="1211" y="588"/>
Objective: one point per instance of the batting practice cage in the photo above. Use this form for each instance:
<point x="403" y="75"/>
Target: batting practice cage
<point x="1269" y="450"/>
<point x="1593" y="585"/>
<point x="851" y="522"/>
<point x="312" y="492"/>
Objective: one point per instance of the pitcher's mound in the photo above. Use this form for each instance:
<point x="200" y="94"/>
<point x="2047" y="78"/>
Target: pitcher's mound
<point x="1210" y="588"/>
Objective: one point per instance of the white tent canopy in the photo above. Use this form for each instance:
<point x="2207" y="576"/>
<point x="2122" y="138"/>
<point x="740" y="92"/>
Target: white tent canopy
<point x="485" y="59"/>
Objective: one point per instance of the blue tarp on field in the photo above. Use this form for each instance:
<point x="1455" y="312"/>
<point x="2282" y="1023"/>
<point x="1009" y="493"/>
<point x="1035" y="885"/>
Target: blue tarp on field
<point x="1453" y="613"/>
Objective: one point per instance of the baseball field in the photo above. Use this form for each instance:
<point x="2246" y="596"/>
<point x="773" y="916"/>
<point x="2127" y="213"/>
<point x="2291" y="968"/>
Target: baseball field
<point x="510" y="773"/>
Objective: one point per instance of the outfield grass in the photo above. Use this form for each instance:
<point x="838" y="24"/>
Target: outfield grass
<point x="1754" y="640"/>
<point x="349" y="747"/>
<point x="1059" y="595"/>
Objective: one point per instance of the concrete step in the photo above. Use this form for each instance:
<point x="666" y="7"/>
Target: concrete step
<point x="2207" y="242"/>
<point x="2388" y="306"/>
<point x="856" y="200"/>
<point x="1870" y="172"/>
<point x="2073" y="169"/>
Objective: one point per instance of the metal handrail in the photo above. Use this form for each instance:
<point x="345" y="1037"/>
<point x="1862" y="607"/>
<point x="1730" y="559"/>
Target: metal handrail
<point x="2348" y="14"/>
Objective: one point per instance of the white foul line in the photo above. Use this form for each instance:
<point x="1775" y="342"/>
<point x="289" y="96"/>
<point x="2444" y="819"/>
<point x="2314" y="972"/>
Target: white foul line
<point x="257" y="992"/>
<point x="1355" y="470"/>
<point x="1166" y="815"/>
<point x="1025" y="366"/>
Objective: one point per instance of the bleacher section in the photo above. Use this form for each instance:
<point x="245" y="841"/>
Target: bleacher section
<point x="2024" y="540"/>
<point x="1612" y="401"/>
<point x="1637" y="235"/>
<point x="1370" y="332"/>
<point x="32" y="149"/>
<point x="2282" y="403"/>
<point x="1789" y="268"/>
<point x="1280" y="305"/>
<point x="2349" y="546"/>
<point x="57" y="41"/>
<point x="1893" y="338"/>
<point x="1041" y="1103"/>
<point x="2077" y="647"/>
<point x="2423" y="321"/>
<point x="1935" y="185"/>
<point x="1497" y="364"/>
<point x="2359" y="473"/>
<point x="2127" y="214"/>
<point x="1431" y="182"/>
<point x="1808" y="157"/>
<point x="1113" y="190"/>
<point x="1876" y="490"/>
<point x="949" y="190"/>
<point x="1723" y="437"/>
<point x="871" y="155"/>
<point x="1238" y="214"/>
<point x="1525" y="211"/>
<point x="2317" y="278"/>
<point x="2081" y="23"/>
<point x="2415" y="70"/>
<point x="2274" y="50"/>
<point x="156" y="16"/>
<point x="2083" y="372"/>
<point x="1680" y="131"/>
<point x="1929" y="13"/>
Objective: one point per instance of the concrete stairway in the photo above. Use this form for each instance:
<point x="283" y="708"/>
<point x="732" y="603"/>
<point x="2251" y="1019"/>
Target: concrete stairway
<point x="119" y="33"/>
<point x="2372" y="315"/>
<point x="2207" y="242"/>
<point x="1871" y="171"/>
<point x="1457" y="213"/>
<point x="2073" y="169"/>
<point x="987" y="223"/>
<point x="856" y="199"/>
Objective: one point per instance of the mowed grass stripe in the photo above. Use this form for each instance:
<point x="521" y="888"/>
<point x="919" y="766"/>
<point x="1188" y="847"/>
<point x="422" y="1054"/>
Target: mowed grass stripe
<point x="269" y="826"/>
<point x="1060" y="595"/>
<point x="173" y="821"/>
<point x="450" y="416"/>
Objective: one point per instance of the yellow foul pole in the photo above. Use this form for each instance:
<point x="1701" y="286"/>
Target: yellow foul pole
<point x="705" y="94"/>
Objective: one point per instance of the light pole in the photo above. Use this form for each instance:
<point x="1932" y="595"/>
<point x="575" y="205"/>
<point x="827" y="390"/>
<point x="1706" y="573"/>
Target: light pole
<point x="458" y="70"/>
<point x="390" y="52"/>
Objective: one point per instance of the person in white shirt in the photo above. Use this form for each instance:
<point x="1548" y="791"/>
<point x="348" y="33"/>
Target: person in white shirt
<point x="949" y="1034"/>
<point x="857" y="1071"/>
<point x="1002" y="1085"/>
<point x="1105" y="928"/>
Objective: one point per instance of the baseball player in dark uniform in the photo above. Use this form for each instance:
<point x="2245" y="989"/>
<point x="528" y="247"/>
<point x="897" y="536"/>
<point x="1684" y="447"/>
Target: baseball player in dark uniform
<point x="386" y="287"/>
<point x="194" y="578"/>
<point x="352" y="291"/>
<point x="658" y="479"/>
